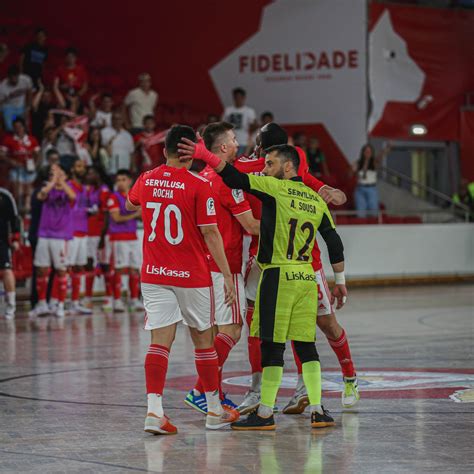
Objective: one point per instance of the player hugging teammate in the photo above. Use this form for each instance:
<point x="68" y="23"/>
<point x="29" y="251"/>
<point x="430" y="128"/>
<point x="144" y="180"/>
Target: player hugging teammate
<point x="184" y="218"/>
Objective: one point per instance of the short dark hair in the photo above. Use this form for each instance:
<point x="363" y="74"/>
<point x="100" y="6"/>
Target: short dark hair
<point x="266" y="114"/>
<point x="239" y="90"/>
<point x="213" y="131"/>
<point x="124" y="172"/>
<point x="286" y="153"/>
<point x="19" y="120"/>
<point x="71" y="50"/>
<point x="148" y="117"/>
<point x="175" y="135"/>
<point x="13" y="70"/>
<point x="272" y="134"/>
<point x="107" y="94"/>
<point x="52" y="151"/>
<point x="40" y="30"/>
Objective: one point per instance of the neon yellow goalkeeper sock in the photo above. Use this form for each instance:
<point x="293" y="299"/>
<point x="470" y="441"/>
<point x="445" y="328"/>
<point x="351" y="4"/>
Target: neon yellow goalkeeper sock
<point x="271" y="380"/>
<point x="312" y="380"/>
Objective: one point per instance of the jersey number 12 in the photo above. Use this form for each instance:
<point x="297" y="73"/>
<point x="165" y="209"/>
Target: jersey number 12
<point x="306" y="226"/>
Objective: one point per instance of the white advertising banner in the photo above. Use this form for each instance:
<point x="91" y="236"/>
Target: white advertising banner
<point x="306" y="64"/>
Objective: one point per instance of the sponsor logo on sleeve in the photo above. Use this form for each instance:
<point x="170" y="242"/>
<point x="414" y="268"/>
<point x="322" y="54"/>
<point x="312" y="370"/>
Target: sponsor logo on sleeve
<point x="211" y="208"/>
<point x="238" y="196"/>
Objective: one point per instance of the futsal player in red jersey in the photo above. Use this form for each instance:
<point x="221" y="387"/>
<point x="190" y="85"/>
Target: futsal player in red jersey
<point x="234" y="216"/>
<point x="269" y="135"/>
<point x="179" y="222"/>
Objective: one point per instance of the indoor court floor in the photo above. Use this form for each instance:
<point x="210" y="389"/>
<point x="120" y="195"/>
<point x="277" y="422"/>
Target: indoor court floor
<point x="72" y="395"/>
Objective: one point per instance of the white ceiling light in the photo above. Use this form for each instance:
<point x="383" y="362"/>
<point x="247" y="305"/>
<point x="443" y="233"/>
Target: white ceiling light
<point x="418" y="129"/>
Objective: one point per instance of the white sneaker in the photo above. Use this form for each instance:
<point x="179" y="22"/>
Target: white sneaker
<point x="77" y="308"/>
<point x="298" y="402"/>
<point x="250" y="402"/>
<point x="60" y="313"/>
<point x="87" y="303"/>
<point x="53" y="305"/>
<point x="216" y="422"/>
<point x="42" y="309"/>
<point x="350" y="395"/>
<point x="119" y="307"/>
<point x="10" y="311"/>
<point x="108" y="305"/>
<point x="136" y="305"/>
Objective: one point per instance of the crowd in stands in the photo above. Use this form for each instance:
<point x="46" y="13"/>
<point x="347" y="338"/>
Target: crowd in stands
<point x="56" y="121"/>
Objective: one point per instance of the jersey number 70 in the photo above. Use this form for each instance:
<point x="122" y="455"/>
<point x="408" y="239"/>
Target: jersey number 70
<point x="170" y="209"/>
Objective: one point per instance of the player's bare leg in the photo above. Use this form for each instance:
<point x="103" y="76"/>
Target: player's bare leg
<point x="207" y="366"/>
<point x="156" y="367"/>
<point x="340" y="345"/>
<point x="9" y="285"/>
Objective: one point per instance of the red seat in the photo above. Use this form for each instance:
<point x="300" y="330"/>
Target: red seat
<point x="412" y="220"/>
<point x="393" y="219"/>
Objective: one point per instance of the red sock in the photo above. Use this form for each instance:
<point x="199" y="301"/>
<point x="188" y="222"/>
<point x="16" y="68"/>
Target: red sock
<point x="223" y="344"/>
<point x="62" y="287"/>
<point x="117" y="285"/>
<point x="76" y="285"/>
<point x="156" y="366"/>
<point x="109" y="283"/>
<point x="42" y="286"/>
<point x="343" y="353"/>
<point x="54" y="288"/>
<point x="207" y="366"/>
<point x="89" y="283"/>
<point x="134" y="284"/>
<point x="299" y="365"/>
<point x="255" y="353"/>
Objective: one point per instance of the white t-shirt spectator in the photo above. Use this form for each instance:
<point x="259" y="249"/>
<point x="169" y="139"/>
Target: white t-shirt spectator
<point x="15" y="96"/>
<point x="241" y="118"/>
<point x="102" y="119"/>
<point x="122" y="148"/>
<point x="141" y="103"/>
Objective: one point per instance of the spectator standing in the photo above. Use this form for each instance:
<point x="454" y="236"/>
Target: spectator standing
<point x="4" y="52"/>
<point x="65" y="144"/>
<point x="300" y="139"/>
<point x="316" y="160"/>
<point x="101" y="117"/>
<point x="15" y="96"/>
<point x="365" y="168"/>
<point x="48" y="144"/>
<point x="33" y="57"/>
<point x="43" y="102"/>
<point x="96" y="149"/>
<point x="140" y="102"/>
<point x="23" y="151"/>
<point x="119" y="145"/>
<point x="242" y="117"/>
<point x="71" y="78"/>
<point x="149" y="145"/>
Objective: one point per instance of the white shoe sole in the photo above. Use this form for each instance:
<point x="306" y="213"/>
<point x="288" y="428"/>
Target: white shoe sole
<point x="156" y="430"/>
<point x="219" y="426"/>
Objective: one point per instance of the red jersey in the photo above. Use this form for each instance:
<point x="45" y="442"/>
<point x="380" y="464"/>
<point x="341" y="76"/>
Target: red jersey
<point x="151" y="150"/>
<point x="175" y="203"/>
<point x="71" y="78"/>
<point x="256" y="166"/>
<point x="21" y="149"/>
<point x="229" y="204"/>
<point x="97" y="198"/>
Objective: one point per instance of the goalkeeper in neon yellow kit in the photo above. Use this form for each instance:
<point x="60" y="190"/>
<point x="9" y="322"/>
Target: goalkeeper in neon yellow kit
<point x="287" y="297"/>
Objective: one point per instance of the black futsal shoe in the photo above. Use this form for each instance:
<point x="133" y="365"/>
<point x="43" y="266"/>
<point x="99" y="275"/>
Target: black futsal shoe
<point x="254" y="422"/>
<point x="321" y="421"/>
